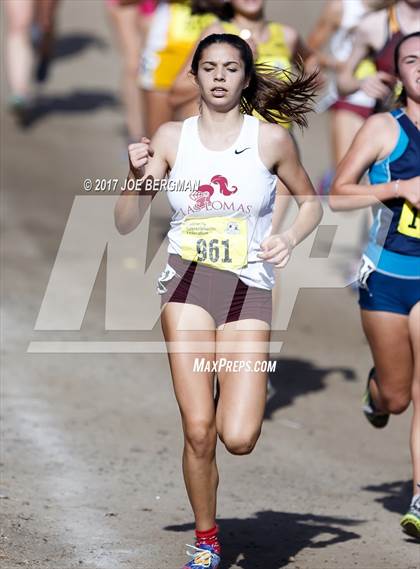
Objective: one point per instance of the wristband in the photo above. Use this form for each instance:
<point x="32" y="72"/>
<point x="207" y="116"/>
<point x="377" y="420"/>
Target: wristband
<point x="396" y="186"/>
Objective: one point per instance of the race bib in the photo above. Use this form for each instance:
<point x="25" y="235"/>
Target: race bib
<point x="409" y="223"/>
<point x="219" y="242"/>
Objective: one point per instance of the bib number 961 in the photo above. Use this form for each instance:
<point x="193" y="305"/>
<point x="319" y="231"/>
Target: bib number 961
<point x="218" y="242"/>
<point x="213" y="251"/>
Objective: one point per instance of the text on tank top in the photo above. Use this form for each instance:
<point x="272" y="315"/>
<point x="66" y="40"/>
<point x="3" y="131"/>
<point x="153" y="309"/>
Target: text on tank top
<point x="225" y="210"/>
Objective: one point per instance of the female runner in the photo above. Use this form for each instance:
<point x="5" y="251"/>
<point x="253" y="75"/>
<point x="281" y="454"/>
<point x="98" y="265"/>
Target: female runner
<point x="376" y="37"/>
<point x="389" y="145"/>
<point x="273" y="44"/>
<point x="216" y="288"/>
<point x="176" y="26"/>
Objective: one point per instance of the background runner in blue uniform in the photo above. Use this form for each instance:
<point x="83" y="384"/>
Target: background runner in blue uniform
<point x="389" y="278"/>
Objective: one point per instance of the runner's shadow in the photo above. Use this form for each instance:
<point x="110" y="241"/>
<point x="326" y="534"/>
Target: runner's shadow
<point x="396" y="495"/>
<point x="269" y="539"/>
<point x="293" y="378"/>
<point x="72" y="44"/>
<point x="75" y="102"/>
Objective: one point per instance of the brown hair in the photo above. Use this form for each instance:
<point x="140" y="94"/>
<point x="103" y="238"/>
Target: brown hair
<point x="216" y="7"/>
<point x="402" y="99"/>
<point x="277" y="95"/>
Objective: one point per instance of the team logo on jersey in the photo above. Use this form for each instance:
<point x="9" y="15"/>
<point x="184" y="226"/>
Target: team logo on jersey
<point x="232" y="228"/>
<point x="202" y="196"/>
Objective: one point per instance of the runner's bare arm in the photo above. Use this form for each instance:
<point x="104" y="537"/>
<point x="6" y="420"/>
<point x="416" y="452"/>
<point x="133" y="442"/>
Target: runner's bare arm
<point x="184" y="88"/>
<point x="373" y="142"/>
<point x="327" y="24"/>
<point x="148" y="160"/>
<point x="279" y="153"/>
<point x="290" y="171"/>
<point x="281" y="206"/>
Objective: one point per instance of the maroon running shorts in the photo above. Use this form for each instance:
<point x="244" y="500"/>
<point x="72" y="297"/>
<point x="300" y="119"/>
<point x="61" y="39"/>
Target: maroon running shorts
<point x="343" y="105"/>
<point x="221" y="293"/>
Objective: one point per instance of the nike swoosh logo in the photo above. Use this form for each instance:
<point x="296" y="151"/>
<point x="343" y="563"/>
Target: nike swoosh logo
<point x="240" y="151"/>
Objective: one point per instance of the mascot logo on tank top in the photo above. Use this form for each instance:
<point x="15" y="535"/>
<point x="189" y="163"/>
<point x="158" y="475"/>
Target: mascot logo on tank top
<point x="202" y="196"/>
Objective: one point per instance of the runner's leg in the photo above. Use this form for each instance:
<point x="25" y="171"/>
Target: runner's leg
<point x="158" y="110"/>
<point x="389" y="340"/>
<point x="414" y="326"/>
<point x="242" y="400"/>
<point x="18" y="46"/>
<point x="194" y="394"/>
<point x="126" y="23"/>
<point x="45" y="17"/>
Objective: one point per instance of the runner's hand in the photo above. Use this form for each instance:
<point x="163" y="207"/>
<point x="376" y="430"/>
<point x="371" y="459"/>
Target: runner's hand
<point x="410" y="190"/>
<point x="139" y="155"/>
<point x="276" y="249"/>
<point x="378" y="86"/>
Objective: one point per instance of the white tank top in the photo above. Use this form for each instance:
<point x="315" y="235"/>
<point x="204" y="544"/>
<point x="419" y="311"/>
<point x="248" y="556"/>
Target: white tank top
<point x="231" y="183"/>
<point x="341" y="43"/>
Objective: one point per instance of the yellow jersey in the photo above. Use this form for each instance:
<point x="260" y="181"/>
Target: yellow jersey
<point x="274" y="51"/>
<point x="173" y="34"/>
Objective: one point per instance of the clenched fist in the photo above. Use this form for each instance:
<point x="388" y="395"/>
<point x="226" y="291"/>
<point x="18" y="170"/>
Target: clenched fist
<point x="139" y="155"/>
<point x="378" y="86"/>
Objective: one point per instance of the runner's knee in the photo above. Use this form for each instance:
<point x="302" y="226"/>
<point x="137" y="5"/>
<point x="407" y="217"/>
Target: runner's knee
<point x="395" y="402"/>
<point x="200" y="438"/>
<point x="240" y="443"/>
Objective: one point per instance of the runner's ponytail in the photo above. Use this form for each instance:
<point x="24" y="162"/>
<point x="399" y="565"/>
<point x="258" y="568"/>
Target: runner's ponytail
<point x="280" y="97"/>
